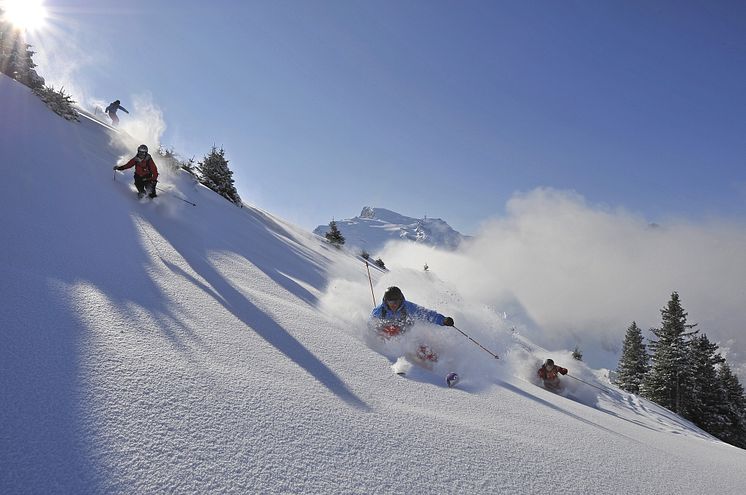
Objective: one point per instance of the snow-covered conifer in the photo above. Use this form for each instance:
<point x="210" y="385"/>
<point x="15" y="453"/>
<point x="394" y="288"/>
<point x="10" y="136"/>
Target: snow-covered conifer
<point x="735" y="401"/>
<point x="215" y="174"/>
<point x="706" y="406"/>
<point x="634" y="361"/>
<point x="669" y="381"/>
<point x="577" y="353"/>
<point x="16" y="56"/>
<point x="334" y="236"/>
<point x="59" y="102"/>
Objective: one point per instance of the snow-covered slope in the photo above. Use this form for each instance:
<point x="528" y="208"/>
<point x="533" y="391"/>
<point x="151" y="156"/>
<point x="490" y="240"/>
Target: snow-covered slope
<point x="374" y="227"/>
<point x="156" y="347"/>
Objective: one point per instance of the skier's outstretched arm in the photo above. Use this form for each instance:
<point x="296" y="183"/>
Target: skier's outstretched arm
<point x="377" y="312"/>
<point x="127" y="165"/>
<point x="417" y="311"/>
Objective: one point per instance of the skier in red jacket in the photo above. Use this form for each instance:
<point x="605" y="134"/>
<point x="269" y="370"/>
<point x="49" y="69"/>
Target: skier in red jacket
<point x="548" y="373"/>
<point x="146" y="173"/>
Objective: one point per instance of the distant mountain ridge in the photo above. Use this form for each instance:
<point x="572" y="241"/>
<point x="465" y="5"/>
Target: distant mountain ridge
<point x="374" y="227"/>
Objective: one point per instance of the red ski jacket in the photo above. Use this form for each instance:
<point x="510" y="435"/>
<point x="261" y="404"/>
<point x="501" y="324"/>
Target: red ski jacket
<point x="144" y="168"/>
<point x="551" y="375"/>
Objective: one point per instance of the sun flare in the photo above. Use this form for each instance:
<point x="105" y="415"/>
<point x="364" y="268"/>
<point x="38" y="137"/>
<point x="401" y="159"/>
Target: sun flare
<point x="27" y="15"/>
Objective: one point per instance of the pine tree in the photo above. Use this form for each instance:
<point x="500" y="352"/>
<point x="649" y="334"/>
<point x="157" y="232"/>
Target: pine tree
<point x="577" y="353"/>
<point x="634" y="361"/>
<point x="59" y="102"/>
<point x="16" y="56"/>
<point x="334" y="236"/>
<point x="734" y="431"/>
<point x="174" y="161"/>
<point x="706" y="406"/>
<point x="169" y="157"/>
<point x="215" y="174"/>
<point x="188" y="166"/>
<point x="669" y="382"/>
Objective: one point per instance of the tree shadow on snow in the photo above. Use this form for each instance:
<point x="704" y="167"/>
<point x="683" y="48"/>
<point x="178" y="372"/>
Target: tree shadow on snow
<point x="665" y="419"/>
<point x="523" y="393"/>
<point x="195" y="252"/>
<point x="274" y="251"/>
<point x="51" y="411"/>
<point x="45" y="447"/>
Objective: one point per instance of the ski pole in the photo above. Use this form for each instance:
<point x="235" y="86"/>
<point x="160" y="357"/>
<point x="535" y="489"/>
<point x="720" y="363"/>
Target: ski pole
<point x="589" y="384"/>
<point x="480" y="345"/>
<point x="367" y="267"/>
<point x="176" y="196"/>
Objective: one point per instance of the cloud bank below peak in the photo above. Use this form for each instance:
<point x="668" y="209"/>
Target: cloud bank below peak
<point x="578" y="274"/>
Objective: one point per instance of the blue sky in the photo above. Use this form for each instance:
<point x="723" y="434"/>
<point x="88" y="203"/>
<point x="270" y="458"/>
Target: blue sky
<point x="434" y="108"/>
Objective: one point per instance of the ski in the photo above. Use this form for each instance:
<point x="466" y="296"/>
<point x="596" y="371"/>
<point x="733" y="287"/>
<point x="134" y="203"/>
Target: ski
<point x="404" y="365"/>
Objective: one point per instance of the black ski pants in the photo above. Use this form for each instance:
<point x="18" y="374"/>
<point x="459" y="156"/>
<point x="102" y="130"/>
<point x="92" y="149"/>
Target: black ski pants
<point x="145" y="184"/>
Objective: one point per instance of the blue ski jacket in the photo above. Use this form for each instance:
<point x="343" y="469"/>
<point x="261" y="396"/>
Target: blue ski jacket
<point x="407" y="311"/>
<point x="113" y="107"/>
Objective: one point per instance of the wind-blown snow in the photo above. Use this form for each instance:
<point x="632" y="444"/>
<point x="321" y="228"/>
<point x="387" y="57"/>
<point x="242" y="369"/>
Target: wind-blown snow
<point x="153" y="346"/>
<point x="570" y="273"/>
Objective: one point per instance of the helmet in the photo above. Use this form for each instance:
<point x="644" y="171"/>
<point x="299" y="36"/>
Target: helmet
<point x="142" y="150"/>
<point x="393" y="294"/>
<point x="549" y="363"/>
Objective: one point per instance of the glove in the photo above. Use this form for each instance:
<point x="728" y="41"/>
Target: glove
<point x="448" y="321"/>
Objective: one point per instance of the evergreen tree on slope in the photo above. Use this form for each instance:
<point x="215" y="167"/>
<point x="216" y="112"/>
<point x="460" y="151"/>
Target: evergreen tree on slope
<point x="334" y="236"/>
<point x="634" y="361"/>
<point x="669" y="382"/>
<point x="16" y="56"/>
<point x="215" y="174"/>
<point x="735" y="432"/>
<point x="707" y="405"/>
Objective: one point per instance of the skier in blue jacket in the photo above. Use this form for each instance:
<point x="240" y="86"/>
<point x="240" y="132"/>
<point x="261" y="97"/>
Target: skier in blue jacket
<point x="111" y="111"/>
<point x="395" y="315"/>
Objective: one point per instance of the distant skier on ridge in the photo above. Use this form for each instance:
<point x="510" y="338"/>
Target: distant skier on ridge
<point x="146" y="173"/>
<point x="111" y="111"/>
